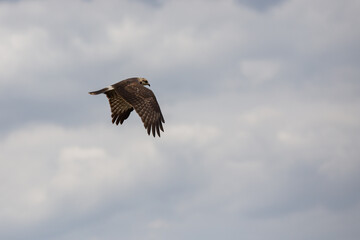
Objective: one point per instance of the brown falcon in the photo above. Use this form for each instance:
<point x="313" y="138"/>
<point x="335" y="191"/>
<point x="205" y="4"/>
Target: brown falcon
<point x="130" y="94"/>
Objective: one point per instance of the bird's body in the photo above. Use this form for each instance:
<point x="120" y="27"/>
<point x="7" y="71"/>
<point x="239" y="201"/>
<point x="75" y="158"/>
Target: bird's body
<point x="130" y="94"/>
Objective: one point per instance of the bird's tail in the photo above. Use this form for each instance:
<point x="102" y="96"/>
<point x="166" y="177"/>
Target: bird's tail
<point x="101" y="90"/>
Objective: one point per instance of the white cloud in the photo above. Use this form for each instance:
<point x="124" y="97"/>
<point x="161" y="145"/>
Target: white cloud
<point x="259" y="71"/>
<point x="18" y="51"/>
<point x="261" y="108"/>
<point x="47" y="167"/>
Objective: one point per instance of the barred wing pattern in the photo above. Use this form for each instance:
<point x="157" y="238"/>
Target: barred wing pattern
<point x="120" y="109"/>
<point x="130" y="94"/>
<point x="145" y="104"/>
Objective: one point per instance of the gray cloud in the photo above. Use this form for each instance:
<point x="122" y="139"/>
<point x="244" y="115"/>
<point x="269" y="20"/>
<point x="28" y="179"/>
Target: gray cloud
<point x="260" y="5"/>
<point x="10" y="1"/>
<point x="261" y="107"/>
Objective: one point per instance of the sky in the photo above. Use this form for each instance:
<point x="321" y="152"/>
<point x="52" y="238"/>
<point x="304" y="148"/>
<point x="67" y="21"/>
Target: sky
<point x="262" y="107"/>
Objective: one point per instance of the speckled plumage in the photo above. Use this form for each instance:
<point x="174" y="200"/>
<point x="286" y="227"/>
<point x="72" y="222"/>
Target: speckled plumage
<point x="130" y="94"/>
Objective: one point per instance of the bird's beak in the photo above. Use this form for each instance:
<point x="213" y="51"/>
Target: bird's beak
<point x="147" y="84"/>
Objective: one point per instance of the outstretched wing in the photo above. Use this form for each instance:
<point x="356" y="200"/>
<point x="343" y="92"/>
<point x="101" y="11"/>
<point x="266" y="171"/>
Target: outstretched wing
<point x="120" y="109"/>
<point x="145" y="104"/>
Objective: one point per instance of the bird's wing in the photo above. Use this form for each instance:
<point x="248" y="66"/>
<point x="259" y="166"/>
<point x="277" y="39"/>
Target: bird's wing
<point x="120" y="109"/>
<point x="145" y="104"/>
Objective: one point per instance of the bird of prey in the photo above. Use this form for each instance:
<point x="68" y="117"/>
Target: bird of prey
<point x="130" y="94"/>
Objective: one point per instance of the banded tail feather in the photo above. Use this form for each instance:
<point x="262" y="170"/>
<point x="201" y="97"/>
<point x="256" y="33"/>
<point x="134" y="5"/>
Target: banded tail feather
<point x="104" y="90"/>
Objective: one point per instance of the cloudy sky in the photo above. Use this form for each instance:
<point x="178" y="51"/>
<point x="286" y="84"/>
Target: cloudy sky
<point x="262" y="107"/>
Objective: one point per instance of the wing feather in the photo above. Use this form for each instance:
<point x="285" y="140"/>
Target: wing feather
<point x="145" y="104"/>
<point x="120" y="109"/>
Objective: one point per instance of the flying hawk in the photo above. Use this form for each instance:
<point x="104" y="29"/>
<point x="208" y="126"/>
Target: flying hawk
<point x="130" y="94"/>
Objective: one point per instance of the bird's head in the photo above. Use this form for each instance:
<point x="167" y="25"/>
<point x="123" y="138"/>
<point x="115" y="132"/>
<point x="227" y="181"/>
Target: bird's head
<point x="144" y="81"/>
